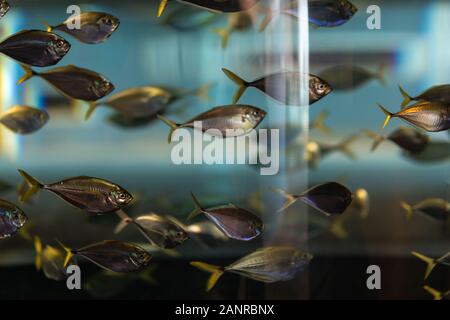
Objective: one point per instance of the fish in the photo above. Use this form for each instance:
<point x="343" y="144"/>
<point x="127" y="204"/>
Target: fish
<point x="317" y="151"/>
<point x="437" y="295"/>
<point x="95" y="27"/>
<point x="429" y="116"/>
<point x="435" y="208"/>
<point x="206" y="228"/>
<point x="158" y="230"/>
<point x="119" y="120"/>
<point x="74" y="82"/>
<point x="435" y="152"/>
<point x="50" y="260"/>
<point x="112" y="255"/>
<point x="12" y="219"/>
<point x="189" y="18"/>
<point x="217" y="6"/>
<point x="408" y="139"/>
<point x="440" y="93"/>
<point x="283" y="87"/>
<point x="237" y="22"/>
<point x="90" y="194"/>
<point x="229" y="121"/>
<point x="349" y="77"/>
<point x="330" y="198"/>
<point x="146" y="102"/>
<point x="235" y="222"/>
<point x="270" y="264"/>
<point x="24" y="119"/>
<point x="35" y="48"/>
<point x="321" y="13"/>
<point x="319" y="123"/>
<point x="4" y="8"/>
<point x="106" y="284"/>
<point x="432" y="263"/>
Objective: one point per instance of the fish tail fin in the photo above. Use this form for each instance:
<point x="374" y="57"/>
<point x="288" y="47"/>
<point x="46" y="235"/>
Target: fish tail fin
<point x="216" y="272"/>
<point x="48" y="27"/>
<point x="388" y="114"/>
<point x="125" y="220"/>
<point x="408" y="209"/>
<point x="243" y="85"/>
<point x="92" y="106"/>
<point x="147" y="276"/>
<point x="38" y="248"/>
<point x="437" y="295"/>
<point x="381" y="74"/>
<point x="406" y="97"/>
<point x="429" y="261"/>
<point x="268" y="17"/>
<point x="173" y="126"/>
<point x="290" y="199"/>
<point x="198" y="208"/>
<point x="29" y="73"/>
<point x="224" y="34"/>
<point x="162" y="7"/>
<point x="69" y="253"/>
<point x="319" y="122"/>
<point x="377" y="139"/>
<point x="203" y="91"/>
<point x="344" y="146"/>
<point x="33" y="185"/>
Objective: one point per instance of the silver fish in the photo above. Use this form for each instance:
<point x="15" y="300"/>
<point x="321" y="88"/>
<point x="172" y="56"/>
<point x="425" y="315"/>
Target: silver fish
<point x="24" y="119"/>
<point x="95" y="27"/>
<point x="35" y="48"/>
<point x="230" y="121"/>
<point x="283" y="87"/>
<point x="439" y="93"/>
<point x="214" y="5"/>
<point x="270" y="264"/>
<point x="12" y="218"/>
<point x="87" y="193"/>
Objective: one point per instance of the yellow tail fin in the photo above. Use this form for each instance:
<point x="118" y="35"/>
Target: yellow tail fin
<point x="48" y="26"/>
<point x="225" y="35"/>
<point x="319" y="122"/>
<point x="161" y="7"/>
<point x="408" y="209"/>
<point x="33" y="184"/>
<point x="173" y="126"/>
<point x="268" y="17"/>
<point x="29" y="73"/>
<point x="344" y="146"/>
<point x="197" y="210"/>
<point x="203" y="92"/>
<point x="407" y="98"/>
<point x="69" y="253"/>
<point x="243" y="85"/>
<point x="92" y="106"/>
<point x="38" y="248"/>
<point x="216" y="272"/>
<point x="377" y="138"/>
<point x="437" y="295"/>
<point x="290" y="199"/>
<point x="388" y="114"/>
<point x="429" y="261"/>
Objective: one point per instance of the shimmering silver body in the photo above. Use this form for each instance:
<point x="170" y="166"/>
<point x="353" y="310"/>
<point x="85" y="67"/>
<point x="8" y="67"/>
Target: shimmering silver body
<point x="12" y="218"/>
<point x="24" y="119"/>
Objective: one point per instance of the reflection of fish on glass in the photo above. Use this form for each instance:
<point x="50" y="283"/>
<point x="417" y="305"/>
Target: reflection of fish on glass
<point x="95" y="27"/>
<point x="24" y="119"/>
<point x="350" y="77"/>
<point x="322" y="13"/>
<point x="436" y="208"/>
<point x="437" y="295"/>
<point x="432" y="263"/>
<point x="435" y="152"/>
<point x="214" y="5"/>
<point x="270" y="264"/>
<point x="237" y="22"/>
<point x="158" y="230"/>
<point x="188" y="18"/>
<point x="408" y="139"/>
<point x="50" y="260"/>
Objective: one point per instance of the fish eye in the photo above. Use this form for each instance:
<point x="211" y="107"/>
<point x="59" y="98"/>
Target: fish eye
<point x="255" y="113"/>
